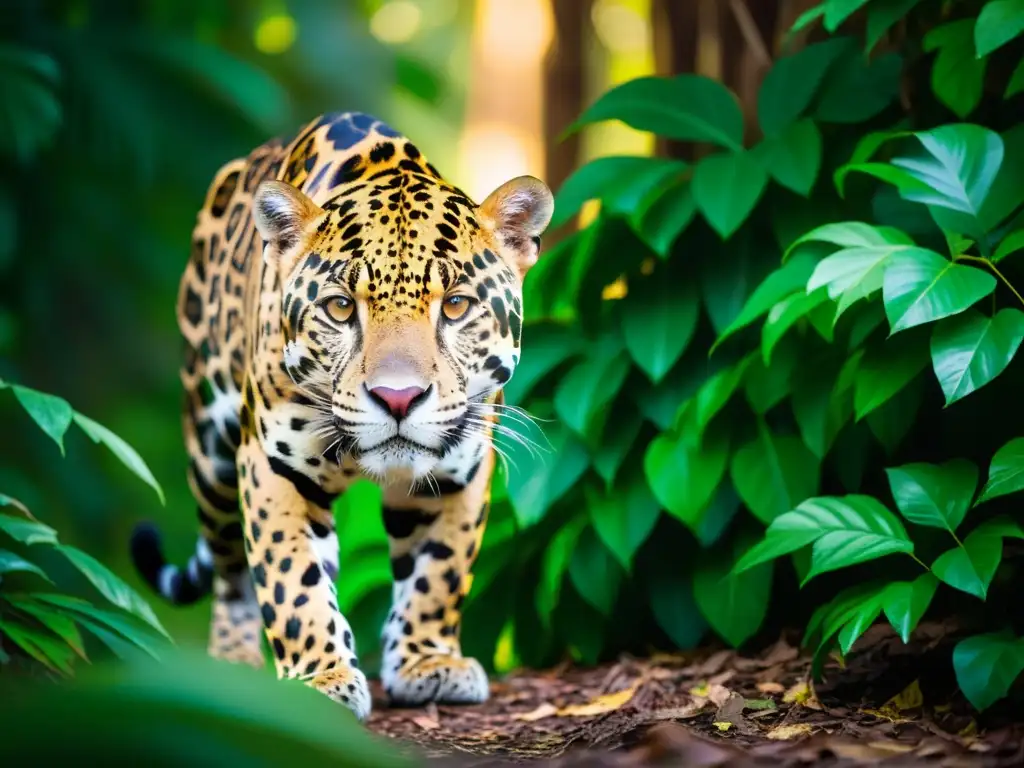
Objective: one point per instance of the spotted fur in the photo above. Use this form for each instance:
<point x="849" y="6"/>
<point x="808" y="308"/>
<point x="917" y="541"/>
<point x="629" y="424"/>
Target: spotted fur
<point x="347" y="313"/>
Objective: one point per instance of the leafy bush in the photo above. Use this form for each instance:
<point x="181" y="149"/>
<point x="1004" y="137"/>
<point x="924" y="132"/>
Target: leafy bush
<point x="43" y="626"/>
<point x="744" y="340"/>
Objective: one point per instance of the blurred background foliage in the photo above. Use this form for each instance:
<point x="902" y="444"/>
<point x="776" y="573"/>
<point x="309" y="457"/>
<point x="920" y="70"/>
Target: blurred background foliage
<point x="688" y="389"/>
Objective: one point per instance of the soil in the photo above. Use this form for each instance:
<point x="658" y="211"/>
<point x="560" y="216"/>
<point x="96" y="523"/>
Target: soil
<point x="888" y="704"/>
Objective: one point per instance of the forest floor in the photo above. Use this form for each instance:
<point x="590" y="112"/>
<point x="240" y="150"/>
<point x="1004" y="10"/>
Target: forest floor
<point x="890" y="704"/>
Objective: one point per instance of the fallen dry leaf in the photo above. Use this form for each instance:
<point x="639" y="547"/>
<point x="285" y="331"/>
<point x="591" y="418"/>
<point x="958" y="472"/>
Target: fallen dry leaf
<point x="723" y="726"/>
<point x="426" y="723"/>
<point x="607" y="702"/>
<point x="713" y="692"/>
<point x="771" y="688"/>
<point x="787" y="732"/>
<point x="544" y="710"/>
<point x="798" y="694"/>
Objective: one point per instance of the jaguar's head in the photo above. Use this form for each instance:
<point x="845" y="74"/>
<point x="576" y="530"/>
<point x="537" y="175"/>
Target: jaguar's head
<point x="401" y="305"/>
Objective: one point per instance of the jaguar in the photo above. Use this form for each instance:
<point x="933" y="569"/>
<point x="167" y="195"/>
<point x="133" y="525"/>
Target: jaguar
<point x="347" y="314"/>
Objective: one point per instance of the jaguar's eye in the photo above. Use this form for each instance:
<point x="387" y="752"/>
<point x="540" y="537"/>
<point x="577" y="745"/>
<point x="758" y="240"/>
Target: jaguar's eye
<point x="339" y="308"/>
<point x="455" y="307"/>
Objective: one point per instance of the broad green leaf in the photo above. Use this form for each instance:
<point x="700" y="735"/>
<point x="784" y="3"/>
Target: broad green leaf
<point x="536" y="481"/>
<point x="856" y="89"/>
<point x="734" y="604"/>
<point x="935" y="495"/>
<point x="726" y="187"/>
<point x="999" y="22"/>
<point x="855" y="273"/>
<point x="774" y="473"/>
<point x="830" y="618"/>
<point x="717" y="390"/>
<point x="625" y="517"/>
<point x="31" y="100"/>
<point x="905" y="602"/>
<point x="793" y="157"/>
<point x="971" y="349"/>
<point x="658" y="322"/>
<point x="58" y="622"/>
<point x="683" y="476"/>
<point x="51" y="413"/>
<point x="675" y="609"/>
<point x="660" y="218"/>
<point x="545" y="346"/>
<point x="685" y="107"/>
<point x="884" y="371"/>
<point x="971" y="565"/>
<point x="121" y="450"/>
<point x="1006" y="472"/>
<point x="619" y="182"/>
<point x="118" y="622"/>
<point x="40" y="646"/>
<point x="822" y="403"/>
<point x="905" y="182"/>
<point x="617" y="440"/>
<point x="719" y="514"/>
<point x="860" y="619"/>
<point x="838" y="11"/>
<point x="784" y="316"/>
<point x="791" y="84"/>
<point x="807" y="18"/>
<point x="784" y="281"/>
<point x="111" y="586"/>
<point x="11" y="563"/>
<point x="881" y="17"/>
<point x="958" y="77"/>
<point x="27" y="531"/>
<point x="1016" y="84"/>
<point x="594" y="572"/>
<point x="987" y="665"/>
<point x="845" y="530"/>
<point x="920" y="286"/>
<point x="1006" y="195"/>
<point x="554" y="565"/>
<point x="1012" y="243"/>
<point x="964" y="161"/>
<point x="10" y="501"/>
<point x="590" y="386"/>
<point x="851" y="234"/>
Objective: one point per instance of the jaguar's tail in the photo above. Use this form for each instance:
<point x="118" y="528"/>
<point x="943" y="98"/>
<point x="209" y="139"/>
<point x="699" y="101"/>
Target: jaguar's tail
<point x="180" y="586"/>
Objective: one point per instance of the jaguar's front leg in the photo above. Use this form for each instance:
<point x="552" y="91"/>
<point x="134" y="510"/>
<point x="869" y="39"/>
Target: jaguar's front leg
<point x="433" y="542"/>
<point x="286" y="514"/>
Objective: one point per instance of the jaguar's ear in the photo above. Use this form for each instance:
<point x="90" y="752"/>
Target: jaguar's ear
<point x="282" y="214"/>
<point x="519" y="211"/>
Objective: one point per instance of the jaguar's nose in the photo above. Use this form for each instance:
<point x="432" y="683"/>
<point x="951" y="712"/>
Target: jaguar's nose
<point x="398" y="402"/>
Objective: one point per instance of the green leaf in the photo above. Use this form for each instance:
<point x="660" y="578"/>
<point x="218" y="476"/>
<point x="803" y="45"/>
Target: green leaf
<point x="784" y="316"/>
<point x="625" y="517"/>
<point x="545" y="346"/>
<point x="111" y="586"/>
<point x="716" y="392"/>
<point x="935" y="495"/>
<point x="616" y="442"/>
<point x="41" y="647"/>
<point x="52" y="414"/>
<point x="10" y="501"/>
<point x="791" y="84"/>
<point x="767" y="385"/>
<point x="659" y="318"/>
<point x="920" y="286"/>
<point x="58" y="622"/>
<point x="685" y="107"/>
<point x="999" y="22"/>
<point x="536" y="481"/>
<point x="905" y="602"/>
<point x="884" y="371"/>
<point x="675" y="609"/>
<point x="30" y="102"/>
<point x="845" y="530"/>
<point x="663" y="215"/>
<point x="684" y="476"/>
<point x="1005" y="473"/>
<point x="27" y="531"/>
<point x="860" y="619"/>
<point x="881" y="17"/>
<point x="594" y="572"/>
<point x="971" y="565"/>
<point x="784" y="281"/>
<point x="774" y="473"/>
<point x="963" y="164"/>
<point x="125" y="627"/>
<point x="1016" y="84"/>
<point x="807" y="18"/>
<point x="852" y="274"/>
<point x="850" y="234"/>
<point x="726" y="187"/>
<point x="554" y="565"/>
<point x="971" y="349"/>
<point x="591" y="385"/>
<point x="734" y="604"/>
<point x="838" y="11"/>
<point x="121" y="450"/>
<point x="822" y="403"/>
<point x="619" y="182"/>
<point x="987" y="665"/>
<point x="958" y="78"/>
<point x="12" y="563"/>
<point x="1012" y="243"/>
<point x="793" y="157"/>
<point x="856" y="89"/>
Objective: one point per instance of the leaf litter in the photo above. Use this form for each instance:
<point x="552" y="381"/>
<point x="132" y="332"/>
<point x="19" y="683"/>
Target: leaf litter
<point x="885" y="704"/>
